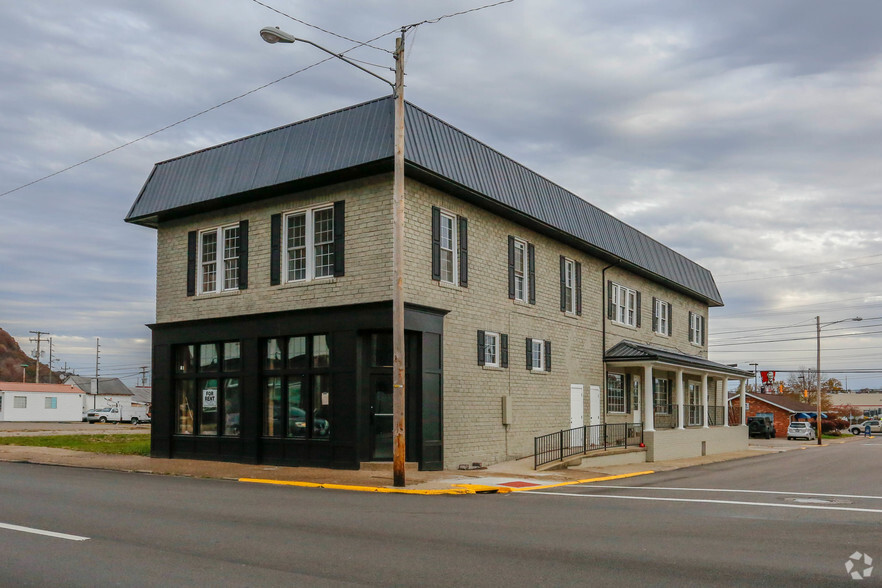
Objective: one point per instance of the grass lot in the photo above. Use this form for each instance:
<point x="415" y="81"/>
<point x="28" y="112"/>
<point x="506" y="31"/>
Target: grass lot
<point x="114" y="444"/>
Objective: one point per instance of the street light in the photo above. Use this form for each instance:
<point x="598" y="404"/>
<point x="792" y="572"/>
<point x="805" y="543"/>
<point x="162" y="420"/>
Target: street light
<point x="818" y="322"/>
<point x="276" y="35"/>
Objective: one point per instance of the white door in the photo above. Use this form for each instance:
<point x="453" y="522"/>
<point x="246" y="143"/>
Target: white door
<point x="577" y="406"/>
<point x="635" y="399"/>
<point x="594" y="404"/>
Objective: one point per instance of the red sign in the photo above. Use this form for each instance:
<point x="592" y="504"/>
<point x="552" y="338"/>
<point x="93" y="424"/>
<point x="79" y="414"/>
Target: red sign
<point x="768" y="377"/>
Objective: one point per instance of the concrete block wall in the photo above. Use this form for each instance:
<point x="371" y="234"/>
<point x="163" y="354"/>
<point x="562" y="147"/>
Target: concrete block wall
<point x="679" y="444"/>
<point x="368" y="256"/>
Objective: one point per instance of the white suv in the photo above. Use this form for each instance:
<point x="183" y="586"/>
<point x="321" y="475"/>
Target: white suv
<point x="800" y="431"/>
<point x="858" y="428"/>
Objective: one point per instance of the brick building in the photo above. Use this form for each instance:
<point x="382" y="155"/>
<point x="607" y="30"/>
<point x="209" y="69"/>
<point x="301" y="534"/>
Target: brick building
<point x="782" y="409"/>
<point x="272" y="340"/>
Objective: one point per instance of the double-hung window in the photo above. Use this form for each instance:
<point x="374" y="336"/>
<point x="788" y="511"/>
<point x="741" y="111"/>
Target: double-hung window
<point x="309" y="244"/>
<point x="624" y="305"/>
<point x="520" y="269"/>
<point x="538" y="355"/>
<point x="219" y="259"/>
<point x="448" y="248"/>
<point x="696" y="328"/>
<point x="662" y="396"/>
<point x="661" y="317"/>
<point x="492" y="349"/>
<point x="570" y="286"/>
<point x="615" y="393"/>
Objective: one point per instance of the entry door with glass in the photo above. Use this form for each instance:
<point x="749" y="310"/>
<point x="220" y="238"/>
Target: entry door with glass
<point x="381" y="417"/>
<point x="695" y="410"/>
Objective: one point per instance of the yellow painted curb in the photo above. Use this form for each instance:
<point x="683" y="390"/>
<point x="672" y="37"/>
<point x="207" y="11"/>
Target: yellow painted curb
<point x="588" y="481"/>
<point x="471" y="489"/>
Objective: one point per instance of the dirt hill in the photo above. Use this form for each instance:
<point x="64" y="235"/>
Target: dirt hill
<point x="11" y="359"/>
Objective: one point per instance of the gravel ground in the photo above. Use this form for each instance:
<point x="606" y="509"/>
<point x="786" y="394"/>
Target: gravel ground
<point x="12" y="429"/>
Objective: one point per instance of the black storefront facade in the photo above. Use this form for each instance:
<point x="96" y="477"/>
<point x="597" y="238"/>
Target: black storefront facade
<point x="302" y="387"/>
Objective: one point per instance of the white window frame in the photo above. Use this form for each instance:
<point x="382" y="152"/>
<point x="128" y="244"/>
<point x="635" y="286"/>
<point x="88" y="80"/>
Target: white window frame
<point x="538" y="360"/>
<point x="696" y="328"/>
<point x="661" y="390"/>
<point x="19" y="402"/>
<point x="625" y="304"/>
<point x="310" y="245"/>
<point x="491" y="349"/>
<point x="520" y="274"/>
<point x="662" y="313"/>
<point x="613" y="408"/>
<point x="222" y="264"/>
<point x="50" y="402"/>
<point x="570" y="285"/>
<point x="452" y="251"/>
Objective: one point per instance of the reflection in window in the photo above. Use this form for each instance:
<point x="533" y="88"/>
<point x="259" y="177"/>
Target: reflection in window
<point x="232" y="357"/>
<point x="208" y="415"/>
<point x="185" y="402"/>
<point x="232" y="407"/>
<point x="272" y="402"/>
<point x="321" y="356"/>
<point x="273" y="359"/>
<point x="208" y="357"/>
<point x="321" y="391"/>
<point x="185" y="358"/>
<point x="297" y="352"/>
<point x="296" y="412"/>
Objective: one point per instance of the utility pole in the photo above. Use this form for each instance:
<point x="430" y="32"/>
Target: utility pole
<point x="97" y="381"/>
<point x="50" y="360"/>
<point x="38" y="339"/>
<point x="755" y="383"/>
<point x="398" y="375"/>
<point x="143" y="375"/>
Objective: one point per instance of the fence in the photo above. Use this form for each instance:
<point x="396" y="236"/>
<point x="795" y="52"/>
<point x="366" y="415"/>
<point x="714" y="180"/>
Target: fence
<point x="666" y="416"/>
<point x="567" y="443"/>
<point x="715" y="415"/>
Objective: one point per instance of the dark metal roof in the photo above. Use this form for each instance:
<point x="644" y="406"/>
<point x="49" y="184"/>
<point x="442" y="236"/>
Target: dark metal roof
<point x="361" y="135"/>
<point x="631" y="351"/>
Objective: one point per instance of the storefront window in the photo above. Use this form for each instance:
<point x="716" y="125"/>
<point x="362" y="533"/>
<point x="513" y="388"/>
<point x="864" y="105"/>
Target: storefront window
<point x="381" y="349"/>
<point x="273" y="357"/>
<point x="208" y="357"/>
<point x="185" y="403"/>
<point x="272" y="402"/>
<point x="208" y="415"/>
<point x="297" y="352"/>
<point x="210" y="404"/>
<point x="232" y="357"/>
<point x="297" y="421"/>
<point x="185" y="359"/>
<point x="321" y="355"/>
<point x="232" y="407"/>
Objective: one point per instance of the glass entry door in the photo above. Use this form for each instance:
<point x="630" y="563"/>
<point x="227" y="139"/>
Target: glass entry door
<point x="381" y="417"/>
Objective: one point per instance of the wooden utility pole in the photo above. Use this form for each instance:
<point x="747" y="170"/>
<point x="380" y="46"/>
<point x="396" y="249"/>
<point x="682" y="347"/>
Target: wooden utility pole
<point x="97" y="380"/>
<point x="38" y="339"/>
<point x="398" y="374"/>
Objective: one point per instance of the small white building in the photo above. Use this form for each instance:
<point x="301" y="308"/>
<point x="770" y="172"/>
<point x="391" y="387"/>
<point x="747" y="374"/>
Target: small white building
<point x="101" y="392"/>
<point x="40" y="402"/>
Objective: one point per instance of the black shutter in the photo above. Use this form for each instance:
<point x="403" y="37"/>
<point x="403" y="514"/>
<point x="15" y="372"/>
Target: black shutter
<point x="627" y="385"/>
<point x="548" y="356"/>
<point x="511" y="267"/>
<point x="529" y="353"/>
<point x="563" y="283"/>
<point x="275" y="249"/>
<point x="531" y="270"/>
<point x="610" y="310"/>
<point x="463" y="251"/>
<point x="339" y="238"/>
<point x="481" y="348"/>
<point x="691" y="331"/>
<point x="655" y="316"/>
<point x="436" y="243"/>
<point x="670" y="318"/>
<point x="637" y="296"/>
<point x="243" y="255"/>
<point x="192" y="241"/>
<point x="703" y="328"/>
<point x="578" y="288"/>
<point x="503" y="350"/>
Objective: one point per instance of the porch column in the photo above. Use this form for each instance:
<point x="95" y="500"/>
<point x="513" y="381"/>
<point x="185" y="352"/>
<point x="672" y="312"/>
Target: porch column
<point x="743" y="397"/>
<point x="648" y="405"/>
<point x="725" y="401"/>
<point x="679" y="399"/>
<point x="704" y="398"/>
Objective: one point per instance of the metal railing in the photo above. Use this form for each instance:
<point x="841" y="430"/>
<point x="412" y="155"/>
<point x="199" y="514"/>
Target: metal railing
<point x="715" y="415"/>
<point x="734" y="415"/>
<point x="666" y="416"/>
<point x="581" y="440"/>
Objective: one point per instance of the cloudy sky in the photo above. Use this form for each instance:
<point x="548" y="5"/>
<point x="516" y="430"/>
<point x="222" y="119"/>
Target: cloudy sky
<point x="745" y="135"/>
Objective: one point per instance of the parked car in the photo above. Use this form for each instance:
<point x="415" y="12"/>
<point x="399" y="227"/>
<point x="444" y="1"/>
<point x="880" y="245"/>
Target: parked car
<point x="760" y="427"/>
<point x="109" y="414"/>
<point x="800" y="431"/>
<point x="858" y="428"/>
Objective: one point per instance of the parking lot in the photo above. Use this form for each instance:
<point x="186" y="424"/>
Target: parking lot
<point x="10" y="429"/>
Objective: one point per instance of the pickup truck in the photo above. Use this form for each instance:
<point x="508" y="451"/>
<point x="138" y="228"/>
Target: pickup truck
<point x="110" y="414"/>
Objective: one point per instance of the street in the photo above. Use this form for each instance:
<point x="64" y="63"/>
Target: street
<point x="791" y="518"/>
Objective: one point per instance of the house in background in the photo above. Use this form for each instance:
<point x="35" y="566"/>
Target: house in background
<point x="527" y="309"/>
<point x="40" y="402"/>
<point x="781" y="409"/>
<point x="101" y="392"/>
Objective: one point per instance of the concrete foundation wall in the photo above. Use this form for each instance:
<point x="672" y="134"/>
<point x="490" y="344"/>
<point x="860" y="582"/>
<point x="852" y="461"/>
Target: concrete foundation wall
<point x="677" y="444"/>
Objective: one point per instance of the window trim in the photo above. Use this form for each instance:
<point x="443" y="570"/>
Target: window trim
<point x="309" y="243"/>
<point x="488" y="335"/>
<point x="16" y="399"/>
<point x="662" y="324"/>
<point x="697" y="324"/>
<point x="220" y="259"/>
<point x="454" y="247"/>
<point x="568" y="282"/>
<point x="625" y="313"/>
<point x="623" y="390"/>
<point x="522" y="245"/>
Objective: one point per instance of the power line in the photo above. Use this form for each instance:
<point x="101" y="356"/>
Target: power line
<point x="824" y="271"/>
<point x="791" y="267"/>
<point x="460" y="13"/>
<point x="791" y="339"/>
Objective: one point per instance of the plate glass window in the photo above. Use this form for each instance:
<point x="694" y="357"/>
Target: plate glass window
<point x="309" y="244"/>
<point x="207" y="398"/>
<point x="448" y="248"/>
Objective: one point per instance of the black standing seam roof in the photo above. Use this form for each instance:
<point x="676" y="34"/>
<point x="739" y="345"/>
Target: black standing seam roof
<point x="362" y="134"/>
<point x="631" y="351"/>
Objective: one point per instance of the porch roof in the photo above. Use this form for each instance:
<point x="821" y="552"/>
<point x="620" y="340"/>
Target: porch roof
<point x="628" y="351"/>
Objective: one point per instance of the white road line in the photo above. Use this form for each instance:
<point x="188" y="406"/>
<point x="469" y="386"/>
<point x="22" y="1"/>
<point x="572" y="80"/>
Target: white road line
<point x="42" y="532"/>
<point x="705" y="501"/>
<point x="730" y="490"/>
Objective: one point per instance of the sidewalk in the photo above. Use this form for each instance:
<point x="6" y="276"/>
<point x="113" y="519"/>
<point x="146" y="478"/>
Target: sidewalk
<point x="502" y="477"/>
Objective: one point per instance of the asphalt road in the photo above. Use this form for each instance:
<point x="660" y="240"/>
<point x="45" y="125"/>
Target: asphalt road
<point x="792" y="518"/>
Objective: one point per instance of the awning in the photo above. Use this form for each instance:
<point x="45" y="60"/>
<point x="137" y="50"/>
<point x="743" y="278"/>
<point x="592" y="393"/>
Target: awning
<point x="628" y="351"/>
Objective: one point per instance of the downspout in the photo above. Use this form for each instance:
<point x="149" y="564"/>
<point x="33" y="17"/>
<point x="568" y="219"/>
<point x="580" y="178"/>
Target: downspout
<point x="603" y="314"/>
